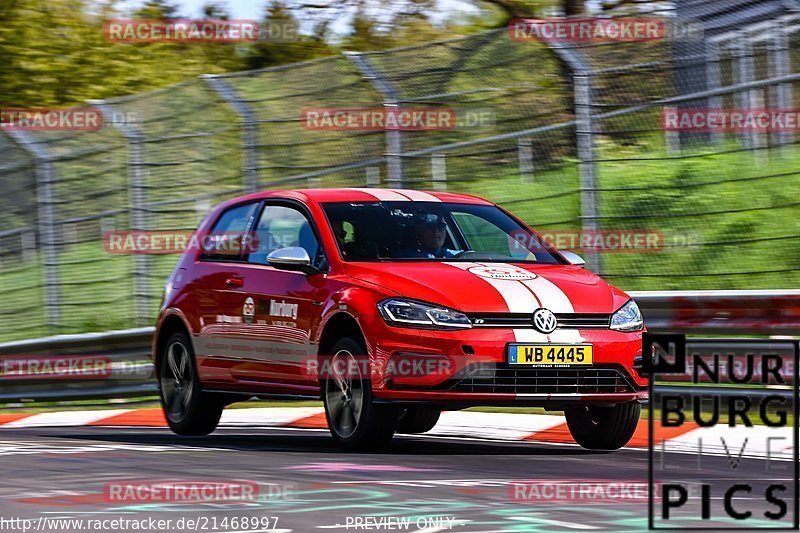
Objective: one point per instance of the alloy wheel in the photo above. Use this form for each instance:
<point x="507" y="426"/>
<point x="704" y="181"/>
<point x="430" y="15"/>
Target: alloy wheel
<point x="177" y="381"/>
<point x="344" y="394"/>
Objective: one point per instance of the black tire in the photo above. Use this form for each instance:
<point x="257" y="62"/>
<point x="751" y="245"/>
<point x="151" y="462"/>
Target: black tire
<point x="355" y="421"/>
<point x="417" y="420"/>
<point x="603" y="428"/>
<point x="189" y="411"/>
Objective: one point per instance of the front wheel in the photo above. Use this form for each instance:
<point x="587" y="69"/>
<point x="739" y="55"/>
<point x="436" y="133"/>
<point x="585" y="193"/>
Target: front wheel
<point x="188" y="410"/>
<point x="355" y="421"/>
<point x="603" y="428"/>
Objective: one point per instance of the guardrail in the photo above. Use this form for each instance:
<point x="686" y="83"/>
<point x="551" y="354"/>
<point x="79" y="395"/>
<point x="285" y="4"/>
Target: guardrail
<point x="761" y="313"/>
<point x="127" y="352"/>
<point x="757" y="312"/>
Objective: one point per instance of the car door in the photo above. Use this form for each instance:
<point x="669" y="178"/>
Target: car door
<point x="217" y="287"/>
<point x="286" y="304"/>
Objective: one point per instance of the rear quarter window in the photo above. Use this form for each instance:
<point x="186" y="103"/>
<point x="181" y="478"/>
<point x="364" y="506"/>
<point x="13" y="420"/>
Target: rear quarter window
<point x="225" y="239"/>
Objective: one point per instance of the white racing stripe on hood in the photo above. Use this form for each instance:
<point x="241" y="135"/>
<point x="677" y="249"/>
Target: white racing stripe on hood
<point x="555" y="300"/>
<point x="519" y="299"/>
<point x="550" y="295"/>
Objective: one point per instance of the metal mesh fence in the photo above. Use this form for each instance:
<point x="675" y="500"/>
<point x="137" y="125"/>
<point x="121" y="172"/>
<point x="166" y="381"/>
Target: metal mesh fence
<point x="21" y="289"/>
<point x="721" y="199"/>
<point x="570" y="136"/>
<point x="183" y="157"/>
<point x="80" y="191"/>
<point x="286" y="154"/>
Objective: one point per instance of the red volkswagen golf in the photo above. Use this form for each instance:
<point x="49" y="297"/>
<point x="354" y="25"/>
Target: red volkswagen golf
<point x="392" y="305"/>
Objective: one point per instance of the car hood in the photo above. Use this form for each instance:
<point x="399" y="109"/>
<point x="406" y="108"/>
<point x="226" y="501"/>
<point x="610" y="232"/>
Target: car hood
<point x="494" y="287"/>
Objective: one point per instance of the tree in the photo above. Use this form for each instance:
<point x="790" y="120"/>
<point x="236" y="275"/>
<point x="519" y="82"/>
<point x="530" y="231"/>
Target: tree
<point x="157" y="10"/>
<point x="281" y="41"/>
<point x="215" y="11"/>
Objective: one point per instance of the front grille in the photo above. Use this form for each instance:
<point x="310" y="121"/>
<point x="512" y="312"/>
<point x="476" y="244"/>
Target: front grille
<point x="525" y="320"/>
<point x="593" y="380"/>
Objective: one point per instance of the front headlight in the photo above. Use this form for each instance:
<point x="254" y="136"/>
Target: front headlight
<point x="627" y="318"/>
<point x="411" y="314"/>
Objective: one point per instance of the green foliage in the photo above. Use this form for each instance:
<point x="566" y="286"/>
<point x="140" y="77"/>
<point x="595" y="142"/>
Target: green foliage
<point x="729" y="219"/>
<point x="55" y="53"/>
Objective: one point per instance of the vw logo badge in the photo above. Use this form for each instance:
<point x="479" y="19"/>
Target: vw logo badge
<point x="544" y="320"/>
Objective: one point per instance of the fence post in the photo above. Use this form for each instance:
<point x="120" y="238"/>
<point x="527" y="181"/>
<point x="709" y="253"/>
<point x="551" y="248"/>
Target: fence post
<point x="581" y="72"/>
<point x="249" y="133"/>
<point x="138" y="216"/>
<point x="439" y="172"/>
<point x="584" y="133"/>
<point x="779" y="65"/>
<point x="525" y="156"/>
<point x="714" y="81"/>
<point x="45" y="178"/>
<point x="391" y="99"/>
<point x="744" y="73"/>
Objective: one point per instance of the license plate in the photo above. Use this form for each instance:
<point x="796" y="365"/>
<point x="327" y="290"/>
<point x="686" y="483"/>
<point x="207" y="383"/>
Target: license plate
<point x="551" y="355"/>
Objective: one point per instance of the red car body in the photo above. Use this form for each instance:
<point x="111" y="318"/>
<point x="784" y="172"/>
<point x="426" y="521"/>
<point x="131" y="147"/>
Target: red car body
<point x="259" y="330"/>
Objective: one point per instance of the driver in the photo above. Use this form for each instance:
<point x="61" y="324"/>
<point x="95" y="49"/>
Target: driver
<point x="430" y="233"/>
<point x="339" y="232"/>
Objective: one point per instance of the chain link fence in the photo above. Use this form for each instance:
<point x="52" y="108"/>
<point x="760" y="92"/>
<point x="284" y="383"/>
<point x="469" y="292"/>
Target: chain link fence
<point x="570" y="136"/>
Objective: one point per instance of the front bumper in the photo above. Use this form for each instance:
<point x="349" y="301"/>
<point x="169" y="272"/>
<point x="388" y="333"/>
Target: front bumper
<point x="469" y="367"/>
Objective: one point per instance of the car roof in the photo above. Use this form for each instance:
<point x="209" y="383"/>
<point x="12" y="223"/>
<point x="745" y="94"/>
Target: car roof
<point x="364" y="195"/>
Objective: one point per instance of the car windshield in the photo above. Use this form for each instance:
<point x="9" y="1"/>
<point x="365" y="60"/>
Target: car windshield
<point x="432" y="231"/>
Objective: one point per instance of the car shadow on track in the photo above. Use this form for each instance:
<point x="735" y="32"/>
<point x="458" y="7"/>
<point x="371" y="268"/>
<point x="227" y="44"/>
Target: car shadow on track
<point x="315" y="441"/>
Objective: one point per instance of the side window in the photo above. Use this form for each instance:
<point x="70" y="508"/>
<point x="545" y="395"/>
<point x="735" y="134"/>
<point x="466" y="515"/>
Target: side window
<point x="281" y="227"/>
<point x="226" y="237"/>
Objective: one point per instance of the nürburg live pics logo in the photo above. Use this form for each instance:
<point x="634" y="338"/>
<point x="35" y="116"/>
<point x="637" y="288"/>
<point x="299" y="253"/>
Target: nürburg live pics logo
<point x="723" y="433"/>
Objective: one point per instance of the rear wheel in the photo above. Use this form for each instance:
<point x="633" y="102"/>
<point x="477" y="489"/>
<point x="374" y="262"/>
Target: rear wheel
<point x="355" y="421"/>
<point x="417" y="420"/>
<point x="188" y="410"/>
<point x="603" y="428"/>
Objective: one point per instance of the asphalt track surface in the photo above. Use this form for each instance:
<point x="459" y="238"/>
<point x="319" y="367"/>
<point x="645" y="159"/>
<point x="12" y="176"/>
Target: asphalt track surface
<point x="53" y="474"/>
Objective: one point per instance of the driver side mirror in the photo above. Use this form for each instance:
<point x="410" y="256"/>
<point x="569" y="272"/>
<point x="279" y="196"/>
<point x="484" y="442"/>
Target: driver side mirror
<point x="292" y="258"/>
<point x="573" y="258"/>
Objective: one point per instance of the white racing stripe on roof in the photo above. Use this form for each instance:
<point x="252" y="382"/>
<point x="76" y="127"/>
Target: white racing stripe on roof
<point x="419" y="196"/>
<point x="384" y="195"/>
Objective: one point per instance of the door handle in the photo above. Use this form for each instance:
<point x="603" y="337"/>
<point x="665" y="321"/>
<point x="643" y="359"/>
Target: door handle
<point x="234" y="282"/>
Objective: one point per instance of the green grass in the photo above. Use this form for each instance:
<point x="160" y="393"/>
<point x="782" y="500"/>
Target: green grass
<point x="756" y="234"/>
<point x="736" y="249"/>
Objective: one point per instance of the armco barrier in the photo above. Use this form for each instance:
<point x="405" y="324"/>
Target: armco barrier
<point x="735" y="360"/>
<point x="759" y="313"/>
<point x="128" y="352"/>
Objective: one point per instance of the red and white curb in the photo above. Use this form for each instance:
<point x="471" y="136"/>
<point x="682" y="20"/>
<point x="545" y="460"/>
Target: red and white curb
<point x="758" y="441"/>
